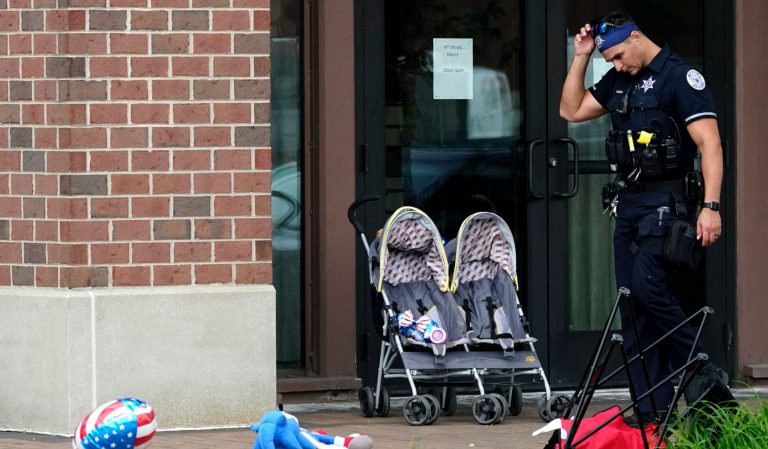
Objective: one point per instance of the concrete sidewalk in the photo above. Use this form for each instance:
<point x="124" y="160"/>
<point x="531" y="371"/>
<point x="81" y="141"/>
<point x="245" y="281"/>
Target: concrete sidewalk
<point x="455" y="432"/>
<point x="458" y="431"/>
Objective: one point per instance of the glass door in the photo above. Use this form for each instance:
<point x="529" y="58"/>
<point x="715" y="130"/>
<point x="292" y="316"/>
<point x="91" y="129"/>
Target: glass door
<point x="458" y="116"/>
<point x="454" y="140"/>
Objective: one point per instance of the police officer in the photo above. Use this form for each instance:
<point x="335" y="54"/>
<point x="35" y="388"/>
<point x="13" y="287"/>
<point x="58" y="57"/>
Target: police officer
<point x="650" y="89"/>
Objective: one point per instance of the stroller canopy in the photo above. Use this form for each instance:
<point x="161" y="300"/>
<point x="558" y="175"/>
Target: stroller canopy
<point x="484" y="244"/>
<point x="411" y="250"/>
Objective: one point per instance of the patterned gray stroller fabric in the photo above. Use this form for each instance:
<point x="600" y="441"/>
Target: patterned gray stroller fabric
<point x="484" y="281"/>
<point x="415" y="273"/>
<point x="413" y="254"/>
<point x="484" y="251"/>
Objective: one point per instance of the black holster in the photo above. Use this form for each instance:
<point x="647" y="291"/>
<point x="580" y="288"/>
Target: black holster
<point x="694" y="186"/>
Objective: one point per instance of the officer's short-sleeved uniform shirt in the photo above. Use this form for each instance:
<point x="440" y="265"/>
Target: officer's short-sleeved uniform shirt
<point x="667" y="87"/>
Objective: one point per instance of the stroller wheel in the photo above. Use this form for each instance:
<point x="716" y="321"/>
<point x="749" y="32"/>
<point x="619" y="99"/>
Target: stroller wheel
<point x="541" y="406"/>
<point x="504" y="407"/>
<point x="516" y="401"/>
<point x="417" y="410"/>
<point x="365" y="396"/>
<point x="486" y="409"/>
<point x="435" y="408"/>
<point x="383" y="408"/>
<point x="557" y="405"/>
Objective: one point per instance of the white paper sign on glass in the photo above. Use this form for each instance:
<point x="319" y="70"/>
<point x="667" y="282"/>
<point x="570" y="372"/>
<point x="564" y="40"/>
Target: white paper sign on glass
<point x="452" y="62"/>
<point x="599" y="68"/>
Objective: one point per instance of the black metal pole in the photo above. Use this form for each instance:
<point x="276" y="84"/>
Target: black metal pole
<point x="640" y="355"/>
<point x="588" y="373"/>
<point x="632" y="392"/>
<point x="696" y="359"/>
<point x="705" y="310"/>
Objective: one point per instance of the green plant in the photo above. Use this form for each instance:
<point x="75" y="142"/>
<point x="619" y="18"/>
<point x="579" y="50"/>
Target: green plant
<point x="743" y="426"/>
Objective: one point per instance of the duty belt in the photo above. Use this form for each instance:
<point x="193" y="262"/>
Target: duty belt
<point x="674" y="186"/>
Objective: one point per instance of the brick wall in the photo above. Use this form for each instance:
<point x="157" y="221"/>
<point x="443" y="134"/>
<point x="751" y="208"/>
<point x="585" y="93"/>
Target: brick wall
<point x="134" y="142"/>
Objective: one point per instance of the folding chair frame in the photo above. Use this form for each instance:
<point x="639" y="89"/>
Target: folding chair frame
<point x="593" y="376"/>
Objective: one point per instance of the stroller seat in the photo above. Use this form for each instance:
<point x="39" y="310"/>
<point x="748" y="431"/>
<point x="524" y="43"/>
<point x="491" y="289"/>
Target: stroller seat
<point x="415" y="277"/>
<point x="484" y="281"/>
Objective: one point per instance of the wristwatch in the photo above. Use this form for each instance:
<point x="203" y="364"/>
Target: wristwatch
<point x="714" y="205"/>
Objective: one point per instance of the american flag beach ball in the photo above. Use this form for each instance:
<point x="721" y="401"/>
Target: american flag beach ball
<point x="126" y="423"/>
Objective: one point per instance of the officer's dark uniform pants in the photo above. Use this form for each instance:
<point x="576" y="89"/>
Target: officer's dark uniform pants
<point x="642" y="269"/>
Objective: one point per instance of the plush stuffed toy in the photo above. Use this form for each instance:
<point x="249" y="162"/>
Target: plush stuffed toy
<point x="352" y="441"/>
<point x="422" y="329"/>
<point x="279" y="430"/>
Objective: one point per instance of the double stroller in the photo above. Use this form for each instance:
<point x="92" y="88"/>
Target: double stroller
<point x="463" y="330"/>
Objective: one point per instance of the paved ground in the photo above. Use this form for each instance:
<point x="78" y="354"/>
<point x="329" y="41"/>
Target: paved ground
<point x="455" y="432"/>
<point x="458" y="431"/>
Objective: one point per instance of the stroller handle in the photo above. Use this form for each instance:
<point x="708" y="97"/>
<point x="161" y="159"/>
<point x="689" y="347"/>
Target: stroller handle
<point x="353" y="209"/>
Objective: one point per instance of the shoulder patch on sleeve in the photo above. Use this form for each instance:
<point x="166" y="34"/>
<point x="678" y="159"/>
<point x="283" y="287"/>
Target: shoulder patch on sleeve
<point x="695" y="79"/>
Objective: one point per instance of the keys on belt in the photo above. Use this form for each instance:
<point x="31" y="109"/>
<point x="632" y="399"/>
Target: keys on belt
<point x="618" y="186"/>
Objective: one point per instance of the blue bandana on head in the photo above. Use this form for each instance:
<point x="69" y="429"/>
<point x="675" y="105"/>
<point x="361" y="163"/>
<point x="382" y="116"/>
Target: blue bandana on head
<point x="614" y="36"/>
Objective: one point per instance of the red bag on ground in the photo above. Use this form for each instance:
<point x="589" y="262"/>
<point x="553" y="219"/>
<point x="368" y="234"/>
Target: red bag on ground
<point x="616" y="434"/>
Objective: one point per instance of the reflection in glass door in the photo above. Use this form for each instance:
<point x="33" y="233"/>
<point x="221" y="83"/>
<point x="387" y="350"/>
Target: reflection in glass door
<point x="452" y="157"/>
<point x="286" y="112"/>
<point x="591" y="281"/>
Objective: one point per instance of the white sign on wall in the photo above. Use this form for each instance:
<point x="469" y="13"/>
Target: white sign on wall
<point x="452" y="62"/>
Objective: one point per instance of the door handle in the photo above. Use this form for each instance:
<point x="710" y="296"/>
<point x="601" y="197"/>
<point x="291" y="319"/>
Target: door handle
<point x="529" y="155"/>
<point x="575" y="189"/>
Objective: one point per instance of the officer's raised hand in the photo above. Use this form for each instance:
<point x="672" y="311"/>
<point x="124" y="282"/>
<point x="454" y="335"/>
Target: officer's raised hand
<point x="576" y="102"/>
<point x="583" y="43"/>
